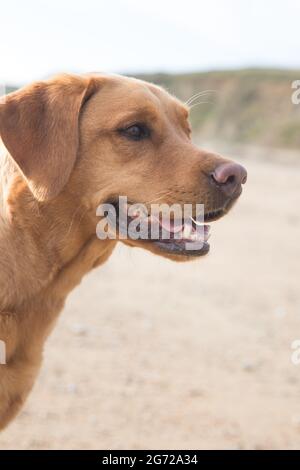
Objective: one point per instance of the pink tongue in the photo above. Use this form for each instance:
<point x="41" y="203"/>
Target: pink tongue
<point x="170" y="227"/>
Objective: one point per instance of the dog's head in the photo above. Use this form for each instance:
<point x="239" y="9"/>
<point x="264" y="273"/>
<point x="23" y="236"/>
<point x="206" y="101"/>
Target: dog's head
<point x="99" y="137"/>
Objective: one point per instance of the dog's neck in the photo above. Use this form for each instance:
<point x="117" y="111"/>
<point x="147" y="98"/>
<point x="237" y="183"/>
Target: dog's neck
<point x="36" y="239"/>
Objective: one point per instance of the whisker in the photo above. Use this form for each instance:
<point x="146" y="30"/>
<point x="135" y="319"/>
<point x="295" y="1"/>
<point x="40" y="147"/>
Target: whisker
<point x="197" y="95"/>
<point x="200" y="102"/>
<point x="162" y="195"/>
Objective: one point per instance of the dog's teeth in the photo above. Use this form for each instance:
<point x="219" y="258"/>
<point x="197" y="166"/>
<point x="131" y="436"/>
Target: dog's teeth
<point x="187" y="231"/>
<point x="201" y="234"/>
<point x="196" y="222"/>
<point x="198" y="237"/>
<point x="206" y="232"/>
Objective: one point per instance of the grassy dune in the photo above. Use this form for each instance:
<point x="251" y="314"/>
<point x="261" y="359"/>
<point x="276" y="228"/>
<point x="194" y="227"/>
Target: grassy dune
<point x="246" y="106"/>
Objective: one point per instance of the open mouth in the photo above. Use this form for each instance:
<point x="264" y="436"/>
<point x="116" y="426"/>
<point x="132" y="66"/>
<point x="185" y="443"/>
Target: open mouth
<point x="193" y="240"/>
<point x="171" y="235"/>
<point x="183" y="237"/>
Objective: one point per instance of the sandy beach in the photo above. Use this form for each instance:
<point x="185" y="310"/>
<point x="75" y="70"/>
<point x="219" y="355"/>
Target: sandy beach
<point x="149" y="354"/>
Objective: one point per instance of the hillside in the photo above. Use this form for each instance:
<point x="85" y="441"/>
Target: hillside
<point x="245" y="106"/>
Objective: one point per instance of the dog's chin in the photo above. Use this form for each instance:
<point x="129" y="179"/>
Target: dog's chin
<point x="173" y="250"/>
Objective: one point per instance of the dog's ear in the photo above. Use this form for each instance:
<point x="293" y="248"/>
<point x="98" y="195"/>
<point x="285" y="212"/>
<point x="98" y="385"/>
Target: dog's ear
<point x="39" y="126"/>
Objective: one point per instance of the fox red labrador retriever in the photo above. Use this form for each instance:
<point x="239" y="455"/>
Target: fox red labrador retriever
<point x="67" y="145"/>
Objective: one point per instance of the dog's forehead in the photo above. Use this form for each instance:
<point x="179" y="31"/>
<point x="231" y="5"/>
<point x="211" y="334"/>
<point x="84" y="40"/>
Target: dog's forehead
<point x="132" y="93"/>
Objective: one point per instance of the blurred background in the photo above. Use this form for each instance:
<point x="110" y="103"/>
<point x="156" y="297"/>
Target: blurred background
<point x="152" y="354"/>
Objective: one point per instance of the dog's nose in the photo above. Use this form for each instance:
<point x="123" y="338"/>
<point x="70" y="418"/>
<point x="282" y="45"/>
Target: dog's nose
<point x="229" y="177"/>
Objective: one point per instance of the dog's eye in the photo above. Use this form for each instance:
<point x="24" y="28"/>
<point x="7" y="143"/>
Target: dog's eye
<point x="136" y="132"/>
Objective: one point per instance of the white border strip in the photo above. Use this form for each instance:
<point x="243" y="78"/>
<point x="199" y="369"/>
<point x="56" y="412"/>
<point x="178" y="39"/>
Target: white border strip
<point x="2" y="92"/>
<point x="2" y="353"/>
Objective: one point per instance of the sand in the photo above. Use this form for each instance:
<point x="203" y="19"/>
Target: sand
<point x="149" y="354"/>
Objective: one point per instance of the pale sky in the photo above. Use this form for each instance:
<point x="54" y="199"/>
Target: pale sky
<point x="42" y="37"/>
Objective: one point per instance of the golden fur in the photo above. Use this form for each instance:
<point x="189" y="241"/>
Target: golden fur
<point x="61" y="157"/>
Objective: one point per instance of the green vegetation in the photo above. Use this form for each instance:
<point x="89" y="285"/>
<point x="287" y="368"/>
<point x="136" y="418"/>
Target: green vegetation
<point x="247" y="106"/>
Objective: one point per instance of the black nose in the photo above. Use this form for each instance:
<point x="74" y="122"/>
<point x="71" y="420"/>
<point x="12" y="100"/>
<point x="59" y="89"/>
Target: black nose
<point x="229" y="177"/>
